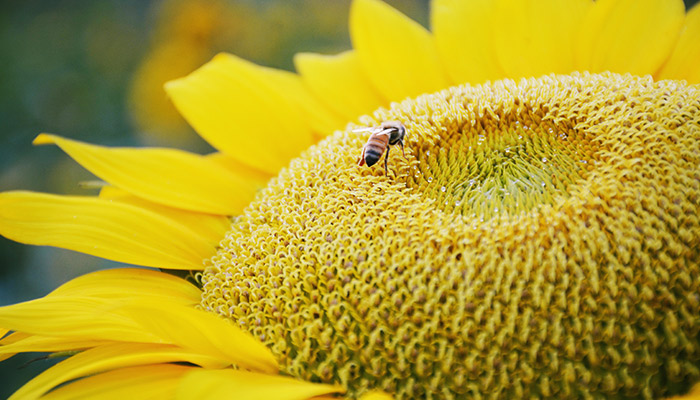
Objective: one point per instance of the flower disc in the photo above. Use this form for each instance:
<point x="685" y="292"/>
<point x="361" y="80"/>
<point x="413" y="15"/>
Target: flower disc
<point x="539" y="239"/>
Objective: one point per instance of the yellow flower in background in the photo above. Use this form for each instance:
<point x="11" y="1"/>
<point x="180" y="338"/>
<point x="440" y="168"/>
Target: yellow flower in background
<point x="188" y="33"/>
<point x="185" y="36"/>
<point x="538" y="240"/>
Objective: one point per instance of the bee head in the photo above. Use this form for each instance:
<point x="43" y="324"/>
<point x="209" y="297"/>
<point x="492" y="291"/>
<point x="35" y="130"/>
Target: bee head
<point x="398" y="131"/>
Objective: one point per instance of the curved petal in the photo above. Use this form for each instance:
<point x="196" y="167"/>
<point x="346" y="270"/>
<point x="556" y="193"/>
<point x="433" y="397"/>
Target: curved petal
<point x="228" y="162"/>
<point x="102" y="228"/>
<point x="110" y="357"/>
<point x="204" y="333"/>
<point x="210" y="226"/>
<point x="685" y="58"/>
<point x="74" y="318"/>
<point x="634" y="36"/>
<point x="35" y="343"/>
<point x="165" y="176"/>
<point x="397" y="54"/>
<point x="131" y="282"/>
<point x="537" y="37"/>
<point x="148" y="382"/>
<point x="318" y="115"/>
<point x="340" y="82"/>
<point x="242" y="110"/>
<point x="237" y="384"/>
<point x="139" y="320"/>
<point x="464" y="37"/>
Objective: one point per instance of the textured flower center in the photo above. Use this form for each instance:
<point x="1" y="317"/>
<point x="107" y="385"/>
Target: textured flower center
<point x="539" y="240"/>
<point x="506" y="164"/>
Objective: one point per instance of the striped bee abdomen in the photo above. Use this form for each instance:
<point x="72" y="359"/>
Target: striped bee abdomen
<point x="372" y="155"/>
<point x="375" y="147"/>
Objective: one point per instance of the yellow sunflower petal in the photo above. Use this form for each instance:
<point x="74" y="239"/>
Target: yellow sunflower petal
<point x="321" y="120"/>
<point x="233" y="105"/>
<point x="244" y="385"/>
<point x="464" y="37"/>
<point x="142" y="320"/>
<point x="13" y="337"/>
<point x="258" y="177"/>
<point x="209" y="226"/>
<point x="74" y="318"/>
<point x="536" y="37"/>
<point x="634" y="36"/>
<point x="102" y="228"/>
<point x="685" y="58"/>
<point x="131" y="282"/>
<point x="146" y="382"/>
<point x="166" y="176"/>
<point x="110" y="357"/>
<point x="397" y="54"/>
<point x="340" y="82"/>
<point x="35" y="343"/>
<point x="203" y="332"/>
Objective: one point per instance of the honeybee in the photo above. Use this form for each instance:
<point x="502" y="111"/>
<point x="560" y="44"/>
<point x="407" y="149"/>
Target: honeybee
<point x="388" y="134"/>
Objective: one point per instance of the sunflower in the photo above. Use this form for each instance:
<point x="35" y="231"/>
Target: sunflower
<point x="538" y="238"/>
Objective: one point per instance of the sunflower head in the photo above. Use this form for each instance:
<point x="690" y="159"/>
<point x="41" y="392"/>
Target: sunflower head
<point x="539" y="239"/>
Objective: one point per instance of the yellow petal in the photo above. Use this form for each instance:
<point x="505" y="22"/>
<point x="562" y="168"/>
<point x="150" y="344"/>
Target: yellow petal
<point x="634" y="36"/>
<point x="12" y="337"/>
<point x="322" y="121"/>
<point x="202" y="332"/>
<point x="139" y="320"/>
<point x="234" y="106"/>
<point x="131" y="283"/>
<point x="340" y="82"/>
<point x="74" y="318"/>
<point x="35" y="343"/>
<point x="209" y="226"/>
<point x="255" y="175"/>
<point x="146" y="382"/>
<point x="155" y="321"/>
<point x="244" y="385"/>
<point x="166" y="176"/>
<point x="102" y="228"/>
<point x="110" y="357"/>
<point x="685" y="58"/>
<point x="537" y="37"/>
<point x="397" y="54"/>
<point x="8" y="340"/>
<point x="464" y="37"/>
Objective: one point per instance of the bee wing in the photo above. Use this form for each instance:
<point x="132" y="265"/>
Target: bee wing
<point x="372" y="128"/>
<point x="386" y="131"/>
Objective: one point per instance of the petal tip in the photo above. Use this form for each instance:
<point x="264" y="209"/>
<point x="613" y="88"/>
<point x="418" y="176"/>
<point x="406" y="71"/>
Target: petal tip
<point x="44" y="138"/>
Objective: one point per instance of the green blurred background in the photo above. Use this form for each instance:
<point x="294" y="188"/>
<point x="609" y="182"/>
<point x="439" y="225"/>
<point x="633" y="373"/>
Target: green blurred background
<point x="93" y="71"/>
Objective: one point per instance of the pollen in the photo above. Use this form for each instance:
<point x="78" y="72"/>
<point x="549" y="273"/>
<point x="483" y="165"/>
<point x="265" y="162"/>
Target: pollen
<point x="539" y="239"/>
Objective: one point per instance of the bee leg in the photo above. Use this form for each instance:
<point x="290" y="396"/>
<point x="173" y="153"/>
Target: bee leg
<point x="403" y="151"/>
<point x="386" y="160"/>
